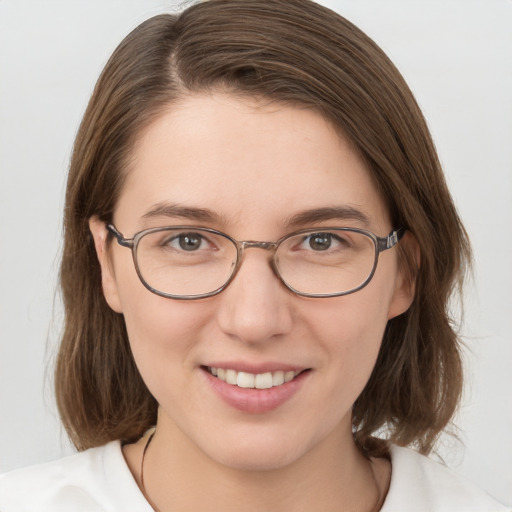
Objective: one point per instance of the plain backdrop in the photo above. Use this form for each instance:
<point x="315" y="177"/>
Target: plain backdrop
<point x="456" y="56"/>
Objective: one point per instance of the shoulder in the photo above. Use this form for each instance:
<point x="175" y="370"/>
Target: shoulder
<point x="421" y="484"/>
<point x="93" y="480"/>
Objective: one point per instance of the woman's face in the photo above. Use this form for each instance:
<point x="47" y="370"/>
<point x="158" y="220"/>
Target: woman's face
<point x="253" y="168"/>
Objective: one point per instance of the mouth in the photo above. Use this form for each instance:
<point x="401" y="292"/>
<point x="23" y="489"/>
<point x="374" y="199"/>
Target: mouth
<point x="256" y="393"/>
<point x="266" y="380"/>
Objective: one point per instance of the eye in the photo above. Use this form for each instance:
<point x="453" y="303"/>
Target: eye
<point x="323" y="242"/>
<point x="189" y="242"/>
<point x="320" y="241"/>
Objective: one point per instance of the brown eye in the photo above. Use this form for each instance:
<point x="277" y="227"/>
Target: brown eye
<point x="190" y="241"/>
<point x="320" y="241"/>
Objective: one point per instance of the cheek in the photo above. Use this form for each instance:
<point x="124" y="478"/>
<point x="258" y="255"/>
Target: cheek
<point x="162" y="334"/>
<point x="353" y="322"/>
<point x="153" y="323"/>
<point x="349" y="330"/>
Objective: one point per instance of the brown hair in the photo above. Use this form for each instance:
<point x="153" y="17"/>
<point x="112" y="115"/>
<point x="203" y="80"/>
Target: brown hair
<point x="291" y="51"/>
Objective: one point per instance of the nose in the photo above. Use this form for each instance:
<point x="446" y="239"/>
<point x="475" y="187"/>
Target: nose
<point x="256" y="306"/>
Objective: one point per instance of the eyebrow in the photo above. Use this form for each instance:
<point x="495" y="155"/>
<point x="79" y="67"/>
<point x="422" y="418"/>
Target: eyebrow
<point x="310" y="216"/>
<point x="327" y="213"/>
<point x="185" y="212"/>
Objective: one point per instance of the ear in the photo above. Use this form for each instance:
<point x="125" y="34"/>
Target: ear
<point x="108" y="280"/>
<point x="405" y="285"/>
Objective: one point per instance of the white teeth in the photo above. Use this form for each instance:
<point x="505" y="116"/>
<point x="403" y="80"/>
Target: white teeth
<point x="244" y="380"/>
<point x="277" y="378"/>
<point x="231" y="376"/>
<point x="265" y="380"/>
<point x="288" y="376"/>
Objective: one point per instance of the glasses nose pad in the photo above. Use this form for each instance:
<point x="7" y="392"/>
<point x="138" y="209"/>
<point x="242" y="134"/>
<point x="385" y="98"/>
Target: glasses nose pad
<point x="271" y="247"/>
<point x="274" y="259"/>
<point x="273" y="265"/>
<point x="236" y="263"/>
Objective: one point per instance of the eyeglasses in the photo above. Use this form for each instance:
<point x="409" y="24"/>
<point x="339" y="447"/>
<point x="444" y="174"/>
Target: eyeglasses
<point x="188" y="262"/>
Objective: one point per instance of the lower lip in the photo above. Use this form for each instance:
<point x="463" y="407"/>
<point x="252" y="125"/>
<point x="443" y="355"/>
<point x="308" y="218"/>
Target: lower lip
<point x="255" y="401"/>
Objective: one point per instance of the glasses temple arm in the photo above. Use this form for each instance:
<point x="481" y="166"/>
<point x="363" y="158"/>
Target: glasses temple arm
<point x="121" y="240"/>
<point x="391" y="240"/>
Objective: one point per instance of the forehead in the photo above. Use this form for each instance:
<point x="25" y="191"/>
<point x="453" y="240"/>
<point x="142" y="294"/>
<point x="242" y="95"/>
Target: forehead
<point x="248" y="161"/>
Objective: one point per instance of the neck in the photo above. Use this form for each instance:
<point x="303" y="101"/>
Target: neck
<point x="332" y="476"/>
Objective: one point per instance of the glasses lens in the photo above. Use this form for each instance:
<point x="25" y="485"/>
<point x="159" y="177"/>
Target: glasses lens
<point x="185" y="262"/>
<point x="326" y="262"/>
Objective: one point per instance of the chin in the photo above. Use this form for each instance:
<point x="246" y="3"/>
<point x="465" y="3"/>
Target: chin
<point x="257" y="459"/>
<point x="261" y="451"/>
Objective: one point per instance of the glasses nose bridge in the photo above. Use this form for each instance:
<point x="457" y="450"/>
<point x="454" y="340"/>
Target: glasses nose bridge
<point x="256" y="244"/>
<point x="268" y="246"/>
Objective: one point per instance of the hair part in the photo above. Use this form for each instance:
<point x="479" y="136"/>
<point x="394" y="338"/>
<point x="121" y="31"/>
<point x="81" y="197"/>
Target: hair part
<point x="291" y="51"/>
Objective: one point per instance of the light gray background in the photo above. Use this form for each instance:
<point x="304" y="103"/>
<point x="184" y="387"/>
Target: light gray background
<point x="457" y="58"/>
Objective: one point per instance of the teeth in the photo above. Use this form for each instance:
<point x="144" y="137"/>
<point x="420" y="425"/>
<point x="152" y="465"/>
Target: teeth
<point x="288" y="376"/>
<point x="231" y="376"/>
<point x="250" y="380"/>
<point x="277" y="378"/>
<point x="263" y="381"/>
<point x="244" y="380"/>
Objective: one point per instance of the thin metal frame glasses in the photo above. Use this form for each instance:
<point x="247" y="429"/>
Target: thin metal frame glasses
<point x="307" y="259"/>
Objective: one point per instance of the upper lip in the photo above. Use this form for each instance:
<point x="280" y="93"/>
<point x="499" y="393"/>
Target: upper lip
<point x="256" y="368"/>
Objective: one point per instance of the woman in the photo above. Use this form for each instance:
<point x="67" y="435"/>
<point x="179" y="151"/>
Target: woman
<point x="259" y="251"/>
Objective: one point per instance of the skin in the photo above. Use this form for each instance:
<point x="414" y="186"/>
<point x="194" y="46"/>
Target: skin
<point x="253" y="164"/>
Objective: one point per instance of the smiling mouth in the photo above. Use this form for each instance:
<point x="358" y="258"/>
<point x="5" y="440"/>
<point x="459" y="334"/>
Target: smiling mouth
<point x="247" y="380"/>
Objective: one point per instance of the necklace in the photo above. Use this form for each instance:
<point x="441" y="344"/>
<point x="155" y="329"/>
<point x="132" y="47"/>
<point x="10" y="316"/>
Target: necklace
<point x="378" y="505"/>
<point x="148" y="442"/>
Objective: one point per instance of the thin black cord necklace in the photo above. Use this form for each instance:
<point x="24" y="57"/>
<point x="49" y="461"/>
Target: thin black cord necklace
<point x="148" y="442"/>
<point x="378" y="505"/>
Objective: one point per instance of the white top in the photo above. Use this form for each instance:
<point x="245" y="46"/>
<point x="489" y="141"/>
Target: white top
<point x="99" y="480"/>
